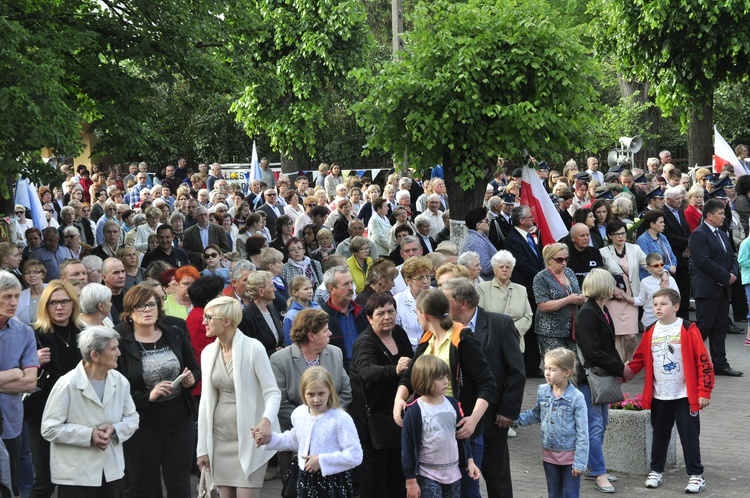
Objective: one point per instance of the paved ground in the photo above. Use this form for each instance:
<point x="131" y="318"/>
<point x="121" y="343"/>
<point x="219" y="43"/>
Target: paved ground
<point x="724" y="444"/>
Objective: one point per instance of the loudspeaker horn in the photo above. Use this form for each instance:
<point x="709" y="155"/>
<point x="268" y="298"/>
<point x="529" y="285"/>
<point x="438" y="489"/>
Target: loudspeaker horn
<point x="631" y="144"/>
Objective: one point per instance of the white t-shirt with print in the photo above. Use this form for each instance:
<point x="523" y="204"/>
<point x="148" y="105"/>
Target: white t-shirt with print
<point x="669" y="371"/>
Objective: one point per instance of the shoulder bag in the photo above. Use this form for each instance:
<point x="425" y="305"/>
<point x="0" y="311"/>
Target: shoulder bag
<point x="605" y="388"/>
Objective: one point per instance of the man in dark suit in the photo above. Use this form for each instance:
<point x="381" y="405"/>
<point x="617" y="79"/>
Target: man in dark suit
<point x="423" y="232"/>
<point x="714" y="271"/>
<point x="198" y="236"/>
<point x="528" y="254"/>
<point x="346" y="319"/>
<point x="272" y="209"/>
<point x="677" y="232"/>
<point x="500" y="342"/>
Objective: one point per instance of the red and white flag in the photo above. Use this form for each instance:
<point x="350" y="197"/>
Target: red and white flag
<point x="723" y="154"/>
<point x="550" y="225"/>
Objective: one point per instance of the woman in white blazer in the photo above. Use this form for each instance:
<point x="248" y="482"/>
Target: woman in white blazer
<point x="624" y="261"/>
<point x="239" y="397"/>
<point x="88" y="416"/>
<point x="379" y="228"/>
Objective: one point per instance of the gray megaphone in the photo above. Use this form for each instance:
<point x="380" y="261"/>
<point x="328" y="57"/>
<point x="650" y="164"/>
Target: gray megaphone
<point x="631" y="144"/>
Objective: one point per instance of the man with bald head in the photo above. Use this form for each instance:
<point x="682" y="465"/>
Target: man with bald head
<point x="583" y="257"/>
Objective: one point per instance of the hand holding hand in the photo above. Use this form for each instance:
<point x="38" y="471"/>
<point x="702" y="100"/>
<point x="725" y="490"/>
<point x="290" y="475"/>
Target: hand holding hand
<point x="627" y="373"/>
<point x="312" y="463"/>
<point x="576" y="473"/>
<point x="99" y="439"/>
<point x="402" y="365"/>
<point x="503" y="422"/>
<point x="262" y="432"/>
<point x="160" y="390"/>
<point x="189" y="380"/>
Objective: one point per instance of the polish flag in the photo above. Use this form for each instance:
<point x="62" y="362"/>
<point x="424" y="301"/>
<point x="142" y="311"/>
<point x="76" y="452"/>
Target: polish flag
<point x="723" y="154"/>
<point x="548" y="221"/>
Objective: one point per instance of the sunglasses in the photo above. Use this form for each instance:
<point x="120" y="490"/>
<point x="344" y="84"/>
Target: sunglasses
<point x="560" y="261"/>
<point x="212" y="255"/>
<point x="657" y="265"/>
<point x="20" y="212"/>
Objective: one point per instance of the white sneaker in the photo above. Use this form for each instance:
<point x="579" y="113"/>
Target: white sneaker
<point x="653" y="480"/>
<point x="696" y="484"/>
<point x="512" y="432"/>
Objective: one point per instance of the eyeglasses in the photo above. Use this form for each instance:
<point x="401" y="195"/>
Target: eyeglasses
<point x="657" y="265"/>
<point x="148" y="306"/>
<point x="64" y="303"/>
<point x="619" y="234"/>
<point x="423" y="278"/>
<point x="208" y="318"/>
<point x="212" y="255"/>
<point x="20" y="212"/>
<point x="560" y="261"/>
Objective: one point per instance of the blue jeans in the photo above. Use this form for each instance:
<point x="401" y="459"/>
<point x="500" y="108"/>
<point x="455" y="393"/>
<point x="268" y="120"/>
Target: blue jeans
<point x="598" y="419"/>
<point x="747" y="297"/>
<point x="25" y="469"/>
<point x="433" y="489"/>
<point x="469" y="486"/>
<point x="560" y="481"/>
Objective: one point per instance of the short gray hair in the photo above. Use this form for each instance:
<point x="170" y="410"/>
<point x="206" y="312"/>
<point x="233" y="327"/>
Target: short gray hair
<point x="461" y="290"/>
<point x="70" y="230"/>
<point x="422" y="221"/>
<point x="239" y="267"/>
<point x="92" y="295"/>
<point x="330" y="278"/>
<point x="409" y="239"/>
<point x="95" y="339"/>
<point x="176" y="216"/>
<point x="447" y="247"/>
<point x="673" y="192"/>
<point x="8" y="281"/>
<point x="466" y="257"/>
<point x="502" y="256"/>
<point x="92" y="263"/>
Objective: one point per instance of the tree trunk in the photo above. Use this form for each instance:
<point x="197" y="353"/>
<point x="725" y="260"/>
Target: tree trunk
<point x="700" y="133"/>
<point x="460" y="201"/>
<point x="290" y="164"/>
<point x="649" y="120"/>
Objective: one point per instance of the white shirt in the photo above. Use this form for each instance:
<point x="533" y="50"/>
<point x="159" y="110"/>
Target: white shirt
<point x="669" y="371"/>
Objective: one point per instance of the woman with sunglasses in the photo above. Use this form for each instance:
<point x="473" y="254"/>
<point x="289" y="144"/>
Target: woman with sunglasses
<point x="57" y="327"/>
<point x="212" y="258"/>
<point x="154" y="354"/>
<point x="19" y="224"/>
<point x="558" y="297"/>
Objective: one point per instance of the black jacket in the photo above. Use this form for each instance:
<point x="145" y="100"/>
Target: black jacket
<point x="528" y="264"/>
<point x="595" y="336"/>
<point x="254" y="325"/>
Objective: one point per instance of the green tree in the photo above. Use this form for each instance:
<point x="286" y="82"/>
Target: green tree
<point x="684" y="48"/>
<point x="475" y="80"/>
<point x="300" y="53"/>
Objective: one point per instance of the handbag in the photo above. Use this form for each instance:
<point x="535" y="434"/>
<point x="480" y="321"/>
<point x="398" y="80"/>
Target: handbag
<point x="205" y="484"/>
<point x="384" y="433"/>
<point x="289" y="487"/>
<point x="605" y="388"/>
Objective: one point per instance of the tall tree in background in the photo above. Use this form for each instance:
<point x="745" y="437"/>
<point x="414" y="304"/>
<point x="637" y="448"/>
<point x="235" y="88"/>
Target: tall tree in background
<point x="684" y="49"/>
<point x="478" y="79"/>
<point x="300" y="53"/>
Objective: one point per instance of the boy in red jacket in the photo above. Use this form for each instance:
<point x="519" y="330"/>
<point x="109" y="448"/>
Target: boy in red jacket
<point x="679" y="380"/>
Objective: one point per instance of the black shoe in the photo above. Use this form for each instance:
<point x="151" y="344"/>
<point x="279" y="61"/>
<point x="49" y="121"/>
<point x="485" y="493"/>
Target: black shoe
<point x="734" y="329"/>
<point x="728" y="371"/>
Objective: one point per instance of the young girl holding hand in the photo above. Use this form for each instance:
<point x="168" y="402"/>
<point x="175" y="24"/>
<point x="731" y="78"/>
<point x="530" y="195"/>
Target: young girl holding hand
<point x="561" y="409"/>
<point x="324" y="437"/>
<point x="430" y="452"/>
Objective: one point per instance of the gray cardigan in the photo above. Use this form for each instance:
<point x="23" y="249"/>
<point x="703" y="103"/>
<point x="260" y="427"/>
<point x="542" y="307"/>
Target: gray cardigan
<point x="288" y="366"/>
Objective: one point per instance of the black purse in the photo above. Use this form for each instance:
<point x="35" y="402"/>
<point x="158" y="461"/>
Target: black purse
<point x="289" y="487"/>
<point x="384" y="433"/>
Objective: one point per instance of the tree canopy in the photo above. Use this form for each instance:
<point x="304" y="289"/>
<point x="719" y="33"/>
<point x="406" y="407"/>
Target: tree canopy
<point x="475" y="80"/>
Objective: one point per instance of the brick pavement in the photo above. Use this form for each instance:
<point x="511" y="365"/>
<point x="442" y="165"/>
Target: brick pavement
<point x="723" y="442"/>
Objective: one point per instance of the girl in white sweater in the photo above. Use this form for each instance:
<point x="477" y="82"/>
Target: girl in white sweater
<point x="324" y="437"/>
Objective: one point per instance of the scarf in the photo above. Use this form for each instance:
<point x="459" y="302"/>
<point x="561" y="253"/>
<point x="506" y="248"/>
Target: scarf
<point x="306" y="266"/>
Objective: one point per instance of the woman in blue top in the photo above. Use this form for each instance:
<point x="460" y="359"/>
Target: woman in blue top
<point x="212" y="256"/>
<point x="652" y="240"/>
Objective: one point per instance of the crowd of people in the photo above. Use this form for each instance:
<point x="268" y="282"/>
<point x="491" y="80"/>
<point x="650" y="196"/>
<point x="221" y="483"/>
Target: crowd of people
<point x="328" y="324"/>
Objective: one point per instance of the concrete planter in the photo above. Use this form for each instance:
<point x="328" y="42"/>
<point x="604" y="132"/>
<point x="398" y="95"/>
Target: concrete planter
<point x="627" y="443"/>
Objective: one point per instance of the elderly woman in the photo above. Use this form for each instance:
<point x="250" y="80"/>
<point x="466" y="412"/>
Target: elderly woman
<point x="326" y="246"/>
<point x="623" y="261"/>
<point x="470" y="260"/>
<point x="380" y="356"/>
<point x="133" y="272"/>
<point x="89" y="416"/>
<point x="653" y="240"/>
<point x="500" y="295"/>
<point x="240" y="397"/>
<point x="595" y="337"/>
<point x="380" y="277"/>
<point x="19" y="224"/>
<point x="178" y="303"/>
<point x="448" y="271"/>
<point x="57" y="328"/>
<point x="360" y="261"/>
<point x="694" y="211"/>
<point x="153" y="215"/>
<point x="73" y="242"/>
<point x="309" y="348"/>
<point x="558" y="297"/>
<point x="416" y="273"/>
<point x="28" y="302"/>
<point x="622" y="209"/>
<point x="299" y="264"/>
<point x="96" y="303"/>
<point x="154" y="355"/>
<point x="260" y="318"/>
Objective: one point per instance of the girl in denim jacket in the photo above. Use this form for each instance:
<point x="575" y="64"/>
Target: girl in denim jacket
<point x="561" y="409"/>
